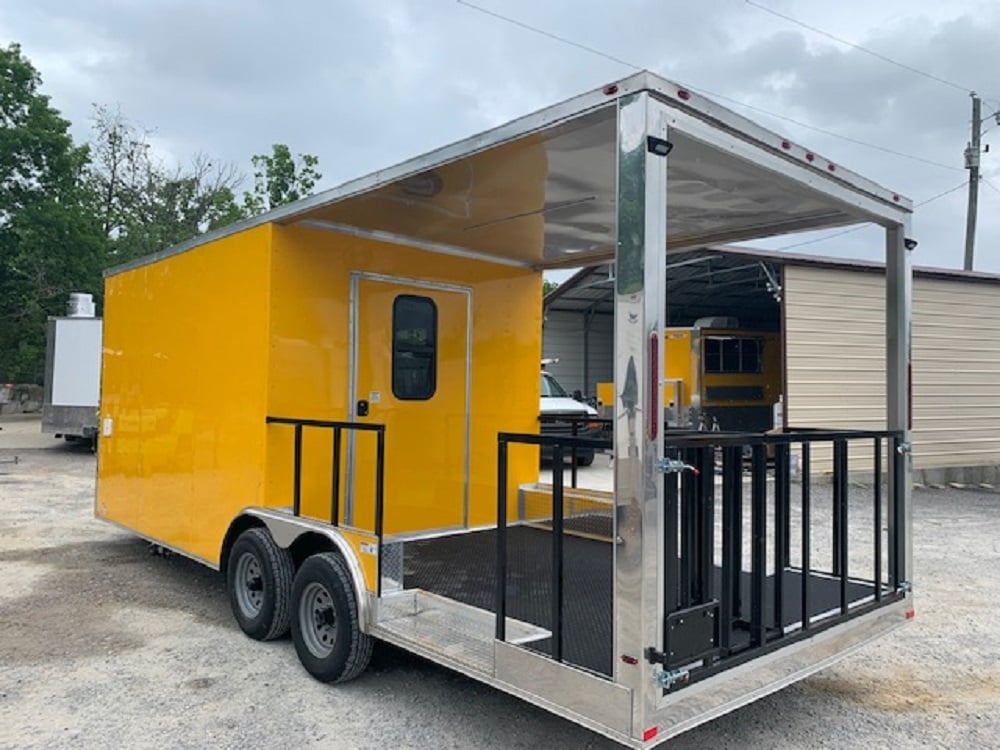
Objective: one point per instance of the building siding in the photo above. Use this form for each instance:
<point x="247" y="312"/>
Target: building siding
<point x="563" y="338"/>
<point x="835" y="346"/>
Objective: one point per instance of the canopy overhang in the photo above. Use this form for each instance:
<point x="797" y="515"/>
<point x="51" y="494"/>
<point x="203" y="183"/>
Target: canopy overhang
<point x="541" y="191"/>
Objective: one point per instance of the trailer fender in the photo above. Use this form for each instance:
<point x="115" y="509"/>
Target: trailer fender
<point x="285" y="529"/>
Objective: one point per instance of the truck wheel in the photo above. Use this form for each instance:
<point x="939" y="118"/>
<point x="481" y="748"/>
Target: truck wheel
<point x="326" y="627"/>
<point x="259" y="581"/>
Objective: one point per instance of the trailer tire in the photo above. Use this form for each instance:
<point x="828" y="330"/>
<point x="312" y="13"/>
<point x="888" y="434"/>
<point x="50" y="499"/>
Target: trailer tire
<point x="326" y="627"/>
<point x="259" y="582"/>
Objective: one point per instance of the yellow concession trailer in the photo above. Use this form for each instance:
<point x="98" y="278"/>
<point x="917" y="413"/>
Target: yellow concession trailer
<point x="722" y="378"/>
<point x="335" y="404"/>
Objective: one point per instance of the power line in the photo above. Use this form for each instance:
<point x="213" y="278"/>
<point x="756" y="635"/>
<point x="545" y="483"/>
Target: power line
<point x="867" y="51"/>
<point x="706" y="92"/>
<point x="842" y="232"/>
<point x="550" y="35"/>
<point x="860" y="48"/>
<point x="990" y="185"/>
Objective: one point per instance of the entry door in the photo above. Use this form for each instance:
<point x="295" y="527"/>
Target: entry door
<point x="411" y="373"/>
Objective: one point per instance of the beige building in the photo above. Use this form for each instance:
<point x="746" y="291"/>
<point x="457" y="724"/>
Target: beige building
<point x="831" y="316"/>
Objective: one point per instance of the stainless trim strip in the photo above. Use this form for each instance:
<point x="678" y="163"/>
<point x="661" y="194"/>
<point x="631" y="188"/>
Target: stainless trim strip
<point x="396" y="239"/>
<point x="286" y="528"/>
<point x="734" y="688"/>
<point x="577" y="691"/>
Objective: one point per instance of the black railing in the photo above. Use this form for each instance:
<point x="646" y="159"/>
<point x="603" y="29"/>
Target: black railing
<point x="559" y="445"/>
<point x="338" y="430"/>
<point x="754" y="612"/>
<point x="569" y="425"/>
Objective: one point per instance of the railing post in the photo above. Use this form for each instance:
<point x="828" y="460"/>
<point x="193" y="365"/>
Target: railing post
<point x="780" y="530"/>
<point x="574" y="424"/>
<point x="335" y="480"/>
<point x="379" y="502"/>
<point x="297" y="472"/>
<point x="670" y="551"/>
<point x="706" y="524"/>
<point x="758" y="525"/>
<point x="897" y="569"/>
<point x="806" y="528"/>
<point x="689" y="529"/>
<point x="878" y="519"/>
<point x="557" y="551"/>
<point x="732" y="497"/>
<point x="782" y="502"/>
<point x="501" y="572"/>
<point x="840" y="519"/>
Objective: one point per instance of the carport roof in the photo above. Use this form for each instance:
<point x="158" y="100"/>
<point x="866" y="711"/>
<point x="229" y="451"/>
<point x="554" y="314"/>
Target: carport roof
<point x="693" y="276"/>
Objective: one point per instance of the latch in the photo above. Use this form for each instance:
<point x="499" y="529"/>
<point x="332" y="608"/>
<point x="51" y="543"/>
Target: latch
<point x="904" y="448"/>
<point x="674" y="466"/>
<point x="667" y="679"/>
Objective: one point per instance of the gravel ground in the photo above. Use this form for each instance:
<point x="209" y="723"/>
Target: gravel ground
<point x="104" y="645"/>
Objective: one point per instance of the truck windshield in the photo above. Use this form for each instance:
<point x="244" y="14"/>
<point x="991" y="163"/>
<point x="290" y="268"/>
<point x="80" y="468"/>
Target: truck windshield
<point x="551" y="387"/>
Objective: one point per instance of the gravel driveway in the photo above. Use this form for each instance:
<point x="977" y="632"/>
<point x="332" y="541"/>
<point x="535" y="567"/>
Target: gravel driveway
<point x="104" y="645"/>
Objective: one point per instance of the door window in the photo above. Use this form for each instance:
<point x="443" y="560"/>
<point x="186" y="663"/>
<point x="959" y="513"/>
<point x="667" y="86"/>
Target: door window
<point x="414" y="348"/>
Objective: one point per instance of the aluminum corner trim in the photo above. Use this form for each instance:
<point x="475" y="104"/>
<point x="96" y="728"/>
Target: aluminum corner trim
<point x="286" y="528"/>
<point x="575" y="691"/>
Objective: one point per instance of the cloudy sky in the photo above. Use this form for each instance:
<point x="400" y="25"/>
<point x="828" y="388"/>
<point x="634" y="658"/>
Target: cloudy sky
<point x="364" y="84"/>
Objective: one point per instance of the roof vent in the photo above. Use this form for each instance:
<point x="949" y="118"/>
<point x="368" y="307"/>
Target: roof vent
<point x="80" y="305"/>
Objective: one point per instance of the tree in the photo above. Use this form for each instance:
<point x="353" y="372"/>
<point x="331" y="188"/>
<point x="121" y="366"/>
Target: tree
<point x="144" y="206"/>
<point x="279" y="179"/>
<point x="549" y="286"/>
<point x="50" y="242"/>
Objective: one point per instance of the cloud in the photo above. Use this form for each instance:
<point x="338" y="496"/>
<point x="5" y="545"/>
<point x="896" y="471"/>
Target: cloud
<point x="365" y="85"/>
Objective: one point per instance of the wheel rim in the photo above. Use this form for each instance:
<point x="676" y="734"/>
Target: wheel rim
<point x="318" y="622"/>
<point x="249" y="585"/>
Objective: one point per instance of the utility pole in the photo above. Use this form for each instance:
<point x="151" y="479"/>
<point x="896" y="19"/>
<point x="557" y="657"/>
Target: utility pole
<point x="972" y="164"/>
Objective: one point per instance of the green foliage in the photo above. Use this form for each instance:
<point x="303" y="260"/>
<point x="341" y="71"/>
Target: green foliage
<point x="549" y="286"/>
<point x="67" y="211"/>
<point x="279" y="179"/>
<point x="143" y="206"/>
<point x="50" y="243"/>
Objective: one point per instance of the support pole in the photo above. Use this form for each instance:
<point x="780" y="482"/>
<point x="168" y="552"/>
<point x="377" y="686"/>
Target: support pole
<point x="640" y="305"/>
<point x="972" y="164"/>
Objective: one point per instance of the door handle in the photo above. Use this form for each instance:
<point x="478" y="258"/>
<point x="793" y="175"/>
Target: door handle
<point x="362" y="410"/>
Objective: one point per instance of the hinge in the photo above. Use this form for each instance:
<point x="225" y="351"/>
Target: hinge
<point x="904" y="448"/>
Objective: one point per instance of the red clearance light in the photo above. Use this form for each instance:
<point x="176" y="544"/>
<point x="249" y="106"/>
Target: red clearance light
<point x="832" y="167"/>
<point x="786" y="145"/>
<point x="650" y="734"/>
<point x="653" y="421"/>
<point x="611" y="89"/>
<point x="896" y="198"/>
<point x="629" y="659"/>
<point x="683" y="94"/>
<point x="910" y="614"/>
<point x="810" y="157"/>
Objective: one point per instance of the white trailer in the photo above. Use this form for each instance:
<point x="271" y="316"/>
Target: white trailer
<point x="73" y="371"/>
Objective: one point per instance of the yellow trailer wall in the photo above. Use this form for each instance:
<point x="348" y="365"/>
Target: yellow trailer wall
<point x="309" y="343"/>
<point x="184" y="384"/>
<point x="201" y="346"/>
